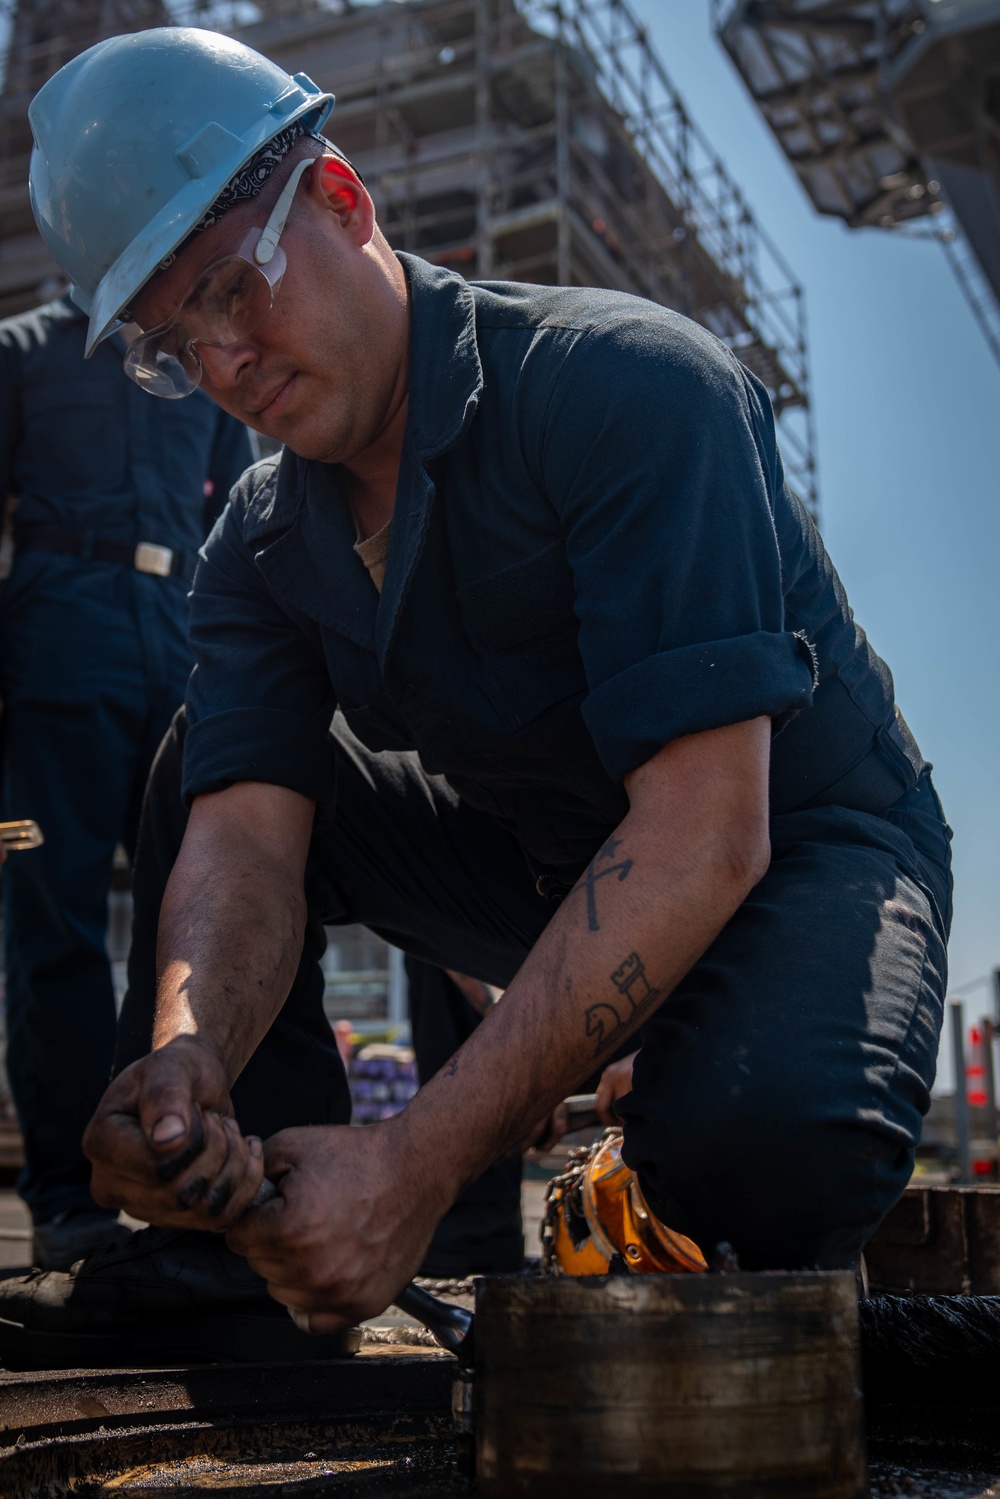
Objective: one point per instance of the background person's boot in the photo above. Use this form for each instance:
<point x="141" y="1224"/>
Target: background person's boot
<point x="58" y="1242"/>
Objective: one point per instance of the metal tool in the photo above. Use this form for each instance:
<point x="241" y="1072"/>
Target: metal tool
<point x="450" y="1326"/>
<point x="581" y="1111"/>
<point x="19" y="835"/>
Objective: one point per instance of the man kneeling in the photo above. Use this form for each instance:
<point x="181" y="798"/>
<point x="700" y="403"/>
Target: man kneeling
<point x="604" y="731"/>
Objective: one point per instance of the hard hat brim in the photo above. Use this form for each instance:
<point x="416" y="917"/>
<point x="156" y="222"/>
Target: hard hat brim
<point x="138" y="263"/>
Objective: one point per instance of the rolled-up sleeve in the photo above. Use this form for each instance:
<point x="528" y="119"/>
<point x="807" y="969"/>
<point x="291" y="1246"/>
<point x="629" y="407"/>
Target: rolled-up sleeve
<point x="259" y="700"/>
<point x="659" y="456"/>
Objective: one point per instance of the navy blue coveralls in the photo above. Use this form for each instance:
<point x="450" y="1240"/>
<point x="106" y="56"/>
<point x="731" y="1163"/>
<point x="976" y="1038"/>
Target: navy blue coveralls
<point x="593" y="552"/>
<point x="94" y="658"/>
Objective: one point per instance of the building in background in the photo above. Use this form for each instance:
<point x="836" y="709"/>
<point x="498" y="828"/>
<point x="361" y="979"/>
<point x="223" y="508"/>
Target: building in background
<point x="41" y="35"/>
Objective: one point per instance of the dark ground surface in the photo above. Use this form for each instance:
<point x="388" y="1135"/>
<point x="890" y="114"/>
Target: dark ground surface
<point x="889" y="1479"/>
<point x="374" y="1427"/>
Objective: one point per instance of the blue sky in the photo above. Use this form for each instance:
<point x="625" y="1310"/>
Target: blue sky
<point x="907" y="404"/>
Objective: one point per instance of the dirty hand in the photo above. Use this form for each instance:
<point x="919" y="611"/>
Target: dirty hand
<point x="164" y="1145"/>
<point x="616" y="1081"/>
<point x="350" y="1227"/>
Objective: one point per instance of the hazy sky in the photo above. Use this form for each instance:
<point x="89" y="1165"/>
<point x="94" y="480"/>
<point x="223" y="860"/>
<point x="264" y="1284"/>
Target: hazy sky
<point x="907" y="403"/>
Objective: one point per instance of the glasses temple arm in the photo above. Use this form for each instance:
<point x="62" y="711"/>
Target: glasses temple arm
<point x="268" y="242"/>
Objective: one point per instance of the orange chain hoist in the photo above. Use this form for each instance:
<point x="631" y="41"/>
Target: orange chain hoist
<point x="595" y="1210"/>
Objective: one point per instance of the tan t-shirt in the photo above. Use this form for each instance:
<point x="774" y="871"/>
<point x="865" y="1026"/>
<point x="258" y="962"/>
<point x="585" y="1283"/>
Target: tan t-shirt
<point x="374" y="552"/>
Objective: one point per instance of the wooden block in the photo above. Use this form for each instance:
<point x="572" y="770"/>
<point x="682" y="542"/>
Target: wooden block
<point x="939" y="1241"/>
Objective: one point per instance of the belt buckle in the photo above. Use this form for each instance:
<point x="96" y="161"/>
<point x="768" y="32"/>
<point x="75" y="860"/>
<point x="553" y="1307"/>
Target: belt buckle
<point x="150" y="558"/>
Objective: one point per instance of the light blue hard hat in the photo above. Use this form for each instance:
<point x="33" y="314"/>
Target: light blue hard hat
<point x="136" y="138"/>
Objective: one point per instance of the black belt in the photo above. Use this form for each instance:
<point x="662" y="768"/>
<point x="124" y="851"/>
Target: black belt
<point x="143" y="556"/>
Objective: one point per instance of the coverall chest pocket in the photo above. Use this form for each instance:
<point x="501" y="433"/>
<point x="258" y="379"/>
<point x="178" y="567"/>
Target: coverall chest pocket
<point x="522" y="622"/>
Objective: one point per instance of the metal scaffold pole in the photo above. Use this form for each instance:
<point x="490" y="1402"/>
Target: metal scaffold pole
<point x="956" y="1012"/>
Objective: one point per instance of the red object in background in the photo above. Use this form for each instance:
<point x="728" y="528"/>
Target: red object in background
<point x="343" y="1033"/>
<point x="975" y="1090"/>
<point x="975" y="1070"/>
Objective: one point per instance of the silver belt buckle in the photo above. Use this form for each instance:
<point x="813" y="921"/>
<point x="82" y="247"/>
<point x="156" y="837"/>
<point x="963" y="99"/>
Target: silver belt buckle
<point x="150" y="558"/>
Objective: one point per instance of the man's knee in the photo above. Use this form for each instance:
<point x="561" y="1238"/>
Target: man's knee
<point x="787" y="1189"/>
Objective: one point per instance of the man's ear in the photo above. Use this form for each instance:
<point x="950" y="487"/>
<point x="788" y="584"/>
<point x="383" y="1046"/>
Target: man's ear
<point x="340" y="189"/>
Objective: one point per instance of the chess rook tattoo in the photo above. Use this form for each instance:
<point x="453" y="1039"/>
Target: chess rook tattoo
<point x="636" y="994"/>
<point x="599" y="869"/>
<point x="630" y="979"/>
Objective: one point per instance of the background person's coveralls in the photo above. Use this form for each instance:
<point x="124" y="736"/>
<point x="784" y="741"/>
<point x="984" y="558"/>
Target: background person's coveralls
<point x="94" y="658"/>
<point x="593" y="552"/>
<point x="482" y="1231"/>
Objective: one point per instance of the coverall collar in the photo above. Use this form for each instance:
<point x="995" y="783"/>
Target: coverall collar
<point x="446" y="377"/>
<point x="65" y="310"/>
<point x="68" y="310"/>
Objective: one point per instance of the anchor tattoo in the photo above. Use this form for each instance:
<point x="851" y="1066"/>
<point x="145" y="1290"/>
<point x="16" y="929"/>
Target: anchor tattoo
<point x="589" y="880"/>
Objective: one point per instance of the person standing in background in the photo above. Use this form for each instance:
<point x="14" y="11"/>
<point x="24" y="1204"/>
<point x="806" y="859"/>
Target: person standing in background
<point x="113" y="494"/>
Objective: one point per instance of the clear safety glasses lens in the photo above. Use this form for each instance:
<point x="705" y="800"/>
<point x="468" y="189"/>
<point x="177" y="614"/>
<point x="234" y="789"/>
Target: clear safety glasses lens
<point x="228" y="301"/>
<point x="162" y="373"/>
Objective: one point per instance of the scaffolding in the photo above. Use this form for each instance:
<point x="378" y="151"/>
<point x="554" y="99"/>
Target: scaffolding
<point x="826" y="75"/>
<point x="41" y="36"/>
<point x="543" y="140"/>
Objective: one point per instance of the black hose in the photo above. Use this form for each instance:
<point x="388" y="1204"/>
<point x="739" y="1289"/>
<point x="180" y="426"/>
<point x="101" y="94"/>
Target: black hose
<point x="925" y="1330"/>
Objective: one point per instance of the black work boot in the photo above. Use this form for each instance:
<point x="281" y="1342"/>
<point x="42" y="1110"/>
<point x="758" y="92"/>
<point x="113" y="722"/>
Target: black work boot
<point x="58" y="1242"/>
<point x="164" y="1294"/>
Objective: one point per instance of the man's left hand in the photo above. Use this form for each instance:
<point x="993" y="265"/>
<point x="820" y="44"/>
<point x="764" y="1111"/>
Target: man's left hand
<point x="350" y="1227"/>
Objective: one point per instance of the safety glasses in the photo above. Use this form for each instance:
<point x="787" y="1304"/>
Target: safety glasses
<point x="230" y="298"/>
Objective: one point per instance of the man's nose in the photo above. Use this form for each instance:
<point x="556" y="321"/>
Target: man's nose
<point x="224" y="364"/>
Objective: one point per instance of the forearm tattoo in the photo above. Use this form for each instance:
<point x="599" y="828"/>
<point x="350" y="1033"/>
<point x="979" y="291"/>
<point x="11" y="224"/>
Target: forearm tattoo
<point x="598" y="869"/>
<point x="608" y="1020"/>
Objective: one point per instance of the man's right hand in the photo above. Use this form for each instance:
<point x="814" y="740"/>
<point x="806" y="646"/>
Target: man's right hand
<point x="616" y="1081"/>
<point x="164" y="1144"/>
